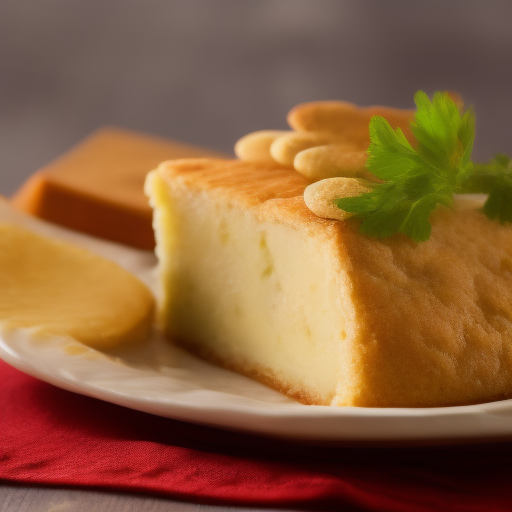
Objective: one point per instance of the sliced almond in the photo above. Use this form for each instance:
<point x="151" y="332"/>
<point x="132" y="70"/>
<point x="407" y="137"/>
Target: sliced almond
<point x="256" y="145"/>
<point x="331" y="161"/>
<point x="285" y="148"/>
<point x="319" y="196"/>
<point x="347" y="120"/>
<point x="324" y="116"/>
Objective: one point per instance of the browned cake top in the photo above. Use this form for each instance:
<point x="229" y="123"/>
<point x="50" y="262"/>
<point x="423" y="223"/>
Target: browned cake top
<point x="275" y="191"/>
<point x="249" y="182"/>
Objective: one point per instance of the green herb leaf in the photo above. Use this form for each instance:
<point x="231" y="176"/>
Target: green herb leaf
<point x="494" y="179"/>
<point x="415" y="179"/>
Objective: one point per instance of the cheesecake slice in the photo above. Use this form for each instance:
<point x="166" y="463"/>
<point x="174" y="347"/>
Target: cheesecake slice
<point x="252" y="280"/>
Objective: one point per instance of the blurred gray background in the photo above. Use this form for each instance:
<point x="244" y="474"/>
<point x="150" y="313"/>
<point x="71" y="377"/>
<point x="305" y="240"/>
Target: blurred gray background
<point x="209" y="71"/>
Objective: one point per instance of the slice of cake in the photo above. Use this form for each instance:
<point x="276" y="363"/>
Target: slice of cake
<point x="252" y="280"/>
<point x="97" y="186"/>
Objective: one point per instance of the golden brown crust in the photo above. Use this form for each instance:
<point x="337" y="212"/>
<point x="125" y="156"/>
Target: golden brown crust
<point x="434" y="320"/>
<point x="437" y="316"/>
<point x="275" y="191"/>
<point x="245" y="182"/>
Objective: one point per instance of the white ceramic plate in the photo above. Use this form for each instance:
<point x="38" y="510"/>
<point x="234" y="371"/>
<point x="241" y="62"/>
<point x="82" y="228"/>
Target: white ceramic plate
<point x="164" y="380"/>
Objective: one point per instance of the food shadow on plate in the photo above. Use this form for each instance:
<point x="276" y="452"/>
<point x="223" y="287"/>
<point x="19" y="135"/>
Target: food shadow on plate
<point x="161" y="356"/>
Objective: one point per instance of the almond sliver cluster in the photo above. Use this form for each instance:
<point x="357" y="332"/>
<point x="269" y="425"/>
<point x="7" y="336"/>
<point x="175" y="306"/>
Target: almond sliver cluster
<point x="328" y="141"/>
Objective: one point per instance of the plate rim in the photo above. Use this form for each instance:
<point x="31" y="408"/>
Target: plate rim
<point x="316" y="413"/>
<point x="276" y="421"/>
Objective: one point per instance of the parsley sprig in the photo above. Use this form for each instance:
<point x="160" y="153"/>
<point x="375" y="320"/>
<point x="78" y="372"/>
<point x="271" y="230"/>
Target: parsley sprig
<point x="414" y="180"/>
<point x="494" y="179"/>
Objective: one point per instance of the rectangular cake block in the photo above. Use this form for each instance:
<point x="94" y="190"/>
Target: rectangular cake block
<point x="97" y="187"/>
<point x="254" y="281"/>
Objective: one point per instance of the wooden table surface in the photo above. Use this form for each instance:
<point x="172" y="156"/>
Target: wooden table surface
<point x="43" y="499"/>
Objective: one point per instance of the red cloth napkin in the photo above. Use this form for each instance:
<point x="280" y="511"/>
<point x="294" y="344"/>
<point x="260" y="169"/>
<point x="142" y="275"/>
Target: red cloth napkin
<point x="55" y="437"/>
